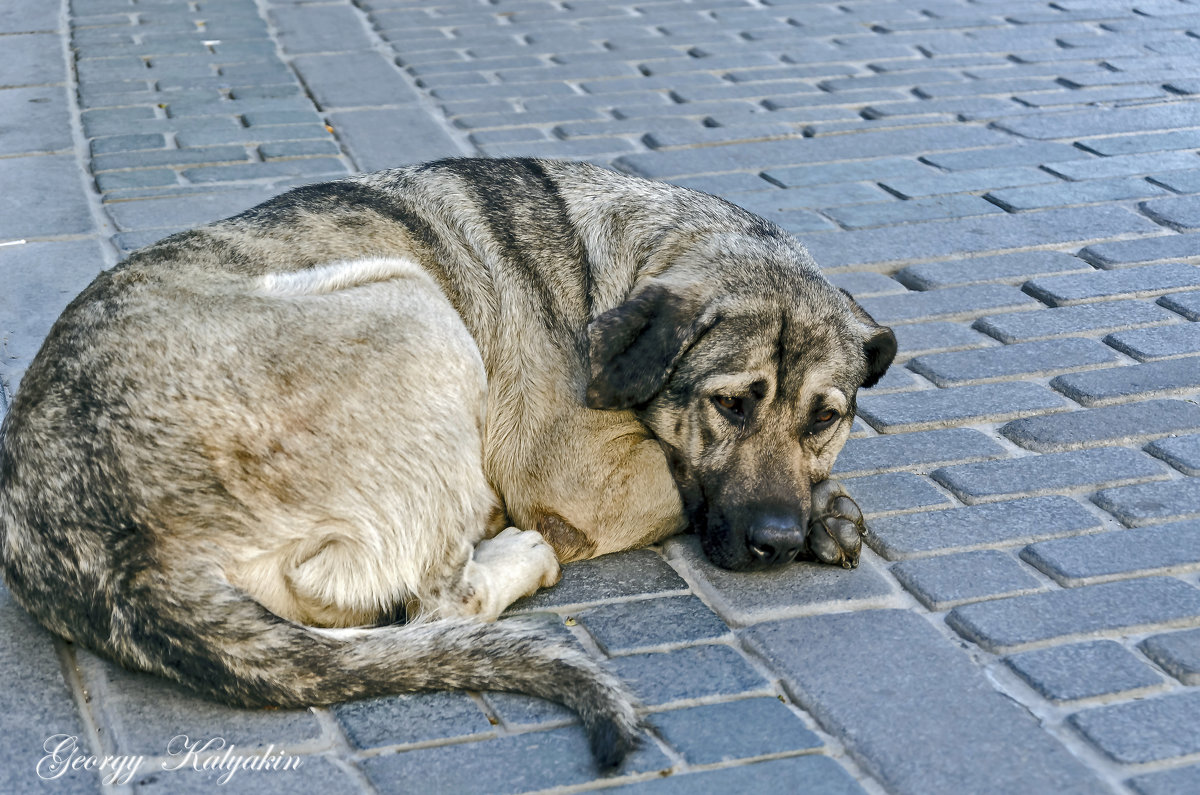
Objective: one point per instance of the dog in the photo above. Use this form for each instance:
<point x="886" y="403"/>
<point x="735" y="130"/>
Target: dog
<point x="292" y="457"/>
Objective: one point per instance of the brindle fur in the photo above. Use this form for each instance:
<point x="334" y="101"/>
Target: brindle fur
<point x="247" y="449"/>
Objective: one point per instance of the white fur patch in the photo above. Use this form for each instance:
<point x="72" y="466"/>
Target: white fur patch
<point x="342" y="633"/>
<point x="336" y="276"/>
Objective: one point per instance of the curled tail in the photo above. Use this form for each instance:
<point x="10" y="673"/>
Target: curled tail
<point x="204" y="633"/>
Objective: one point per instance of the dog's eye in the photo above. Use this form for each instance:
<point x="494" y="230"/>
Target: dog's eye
<point x="824" y="419"/>
<point x="731" y="405"/>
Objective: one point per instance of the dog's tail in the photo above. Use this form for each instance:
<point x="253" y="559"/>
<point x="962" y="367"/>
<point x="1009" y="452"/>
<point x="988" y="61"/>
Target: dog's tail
<point x="211" y="637"/>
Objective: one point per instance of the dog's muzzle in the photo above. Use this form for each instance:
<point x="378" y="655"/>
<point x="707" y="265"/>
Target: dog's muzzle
<point x="776" y="538"/>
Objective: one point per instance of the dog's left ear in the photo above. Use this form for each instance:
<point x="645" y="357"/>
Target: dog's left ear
<point x="879" y="346"/>
<point x="634" y="348"/>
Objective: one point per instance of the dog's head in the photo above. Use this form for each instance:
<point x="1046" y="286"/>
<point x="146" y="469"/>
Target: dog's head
<point x="748" y="377"/>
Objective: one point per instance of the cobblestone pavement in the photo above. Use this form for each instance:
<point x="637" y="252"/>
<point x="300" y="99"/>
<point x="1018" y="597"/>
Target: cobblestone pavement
<point x="1014" y="185"/>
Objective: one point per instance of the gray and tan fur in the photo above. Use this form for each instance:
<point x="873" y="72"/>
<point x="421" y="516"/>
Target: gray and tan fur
<point x="273" y="458"/>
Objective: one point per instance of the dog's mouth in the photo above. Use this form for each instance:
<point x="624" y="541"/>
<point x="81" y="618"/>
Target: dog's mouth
<point x="771" y="539"/>
<point x="763" y="537"/>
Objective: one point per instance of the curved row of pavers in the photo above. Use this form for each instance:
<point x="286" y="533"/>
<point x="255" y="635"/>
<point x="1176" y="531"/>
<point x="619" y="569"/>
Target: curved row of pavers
<point x="951" y="167"/>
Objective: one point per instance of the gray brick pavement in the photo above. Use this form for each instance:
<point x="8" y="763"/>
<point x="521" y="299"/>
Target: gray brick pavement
<point x="1084" y="670"/>
<point x="1013" y="185"/>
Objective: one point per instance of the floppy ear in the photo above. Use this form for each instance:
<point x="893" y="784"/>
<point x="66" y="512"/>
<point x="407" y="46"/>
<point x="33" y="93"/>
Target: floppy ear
<point x="879" y="346"/>
<point x="634" y="347"/>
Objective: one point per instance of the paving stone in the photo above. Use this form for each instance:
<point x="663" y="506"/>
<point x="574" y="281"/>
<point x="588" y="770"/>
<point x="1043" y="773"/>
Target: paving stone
<point x="45" y="125"/>
<point x="1157" y="549"/>
<point x="411" y="718"/>
<point x="516" y="709"/>
<point x="625" y="626"/>
<point x="860" y="216"/>
<point x="724" y="184"/>
<point x="692" y="672"/>
<point x="414" y="137"/>
<point x="282" y="149"/>
<point x="919" y="449"/>
<point x="249" y="135"/>
<point x="31" y="58"/>
<point x="533" y="761"/>
<point x="1098" y="387"/>
<point x="747" y="597"/>
<point x="1120" y="253"/>
<point x="28" y="17"/>
<point x="965" y="301"/>
<point x="1098" y="121"/>
<point x="1077" y="319"/>
<point x="1120" y="165"/>
<point x="782" y="153"/>
<point x="936" y="183"/>
<point x="948" y="580"/>
<point x="1083" y="670"/>
<point x="1011" y="268"/>
<point x="183" y="211"/>
<point x="907" y="411"/>
<point x="635" y="573"/>
<point x="1124" y="606"/>
<point x="1179" y="181"/>
<point x="977" y="526"/>
<point x="1179" y="781"/>
<point x="988" y="233"/>
<point x="266" y="118"/>
<point x="1181" y="452"/>
<point x="1129" y="424"/>
<point x="1145" y="280"/>
<point x="864" y="284"/>
<point x="1157" y="343"/>
<point x="1022" y="358"/>
<point x="815" y="196"/>
<point x="37" y="705"/>
<point x="1177" y="653"/>
<point x="1186" y="304"/>
<point x="914" y="339"/>
<point x="1181" y="213"/>
<point x="901" y="661"/>
<point x="319" y="29"/>
<point x="1143" y="142"/>
<point x="1144" y="731"/>
<point x="143" y="178"/>
<point x="139" y="713"/>
<point x="360" y="79"/>
<point x="1027" y="153"/>
<point x="1036" y="197"/>
<point x="42" y="279"/>
<point x="308" y="166"/>
<point x="1152" y="502"/>
<point x="763" y="726"/>
<point x="126" y="143"/>
<point x="1049" y="473"/>
<point x="840" y="173"/>
<point x="820" y="774"/>
<point x="890" y="492"/>
<point x="168" y="157"/>
<point x="315" y="775"/>
<point x="57" y="207"/>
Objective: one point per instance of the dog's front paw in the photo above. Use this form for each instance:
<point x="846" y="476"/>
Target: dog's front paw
<point x="836" y="528"/>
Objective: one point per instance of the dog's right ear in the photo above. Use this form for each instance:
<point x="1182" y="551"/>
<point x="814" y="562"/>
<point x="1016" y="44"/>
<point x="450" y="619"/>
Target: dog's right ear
<point x="634" y="348"/>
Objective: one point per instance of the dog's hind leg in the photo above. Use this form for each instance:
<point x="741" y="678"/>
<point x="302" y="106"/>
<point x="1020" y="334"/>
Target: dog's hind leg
<point x="515" y="563"/>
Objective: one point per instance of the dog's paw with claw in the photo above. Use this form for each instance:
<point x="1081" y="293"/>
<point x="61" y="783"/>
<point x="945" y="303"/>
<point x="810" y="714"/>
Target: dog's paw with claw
<point x="836" y="528"/>
<point x="521" y="551"/>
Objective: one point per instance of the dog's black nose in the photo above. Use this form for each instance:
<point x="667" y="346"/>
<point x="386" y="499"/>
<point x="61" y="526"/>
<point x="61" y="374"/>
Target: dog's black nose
<point x="776" y="538"/>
